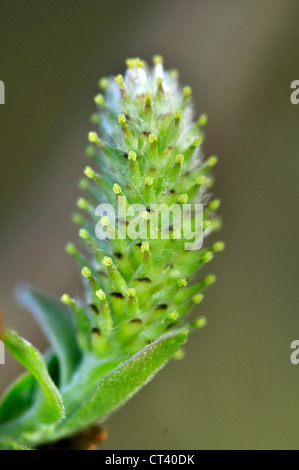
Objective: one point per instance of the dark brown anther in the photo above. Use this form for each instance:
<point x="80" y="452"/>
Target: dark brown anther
<point x="117" y="295"/>
<point x="169" y="266"/>
<point x="136" y="321"/>
<point x="143" y="279"/>
<point x="94" y="308"/>
<point x="96" y="331"/>
<point x="123" y="222"/>
<point x="161" y="307"/>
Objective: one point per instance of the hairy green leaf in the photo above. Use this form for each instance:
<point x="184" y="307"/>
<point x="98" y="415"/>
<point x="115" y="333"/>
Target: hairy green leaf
<point x="123" y="382"/>
<point x="7" y="444"/>
<point x="49" y="408"/>
<point x="20" y="396"/>
<point x="17" y="398"/>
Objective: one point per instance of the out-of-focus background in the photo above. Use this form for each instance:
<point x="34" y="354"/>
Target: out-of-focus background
<point x="236" y="388"/>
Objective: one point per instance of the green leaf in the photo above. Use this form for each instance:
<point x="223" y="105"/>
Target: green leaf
<point x="56" y="323"/>
<point x="7" y="444"/>
<point x="21" y="394"/>
<point x="49" y="408"/>
<point x="123" y="382"/>
<point x="18" y="398"/>
<point x="88" y="376"/>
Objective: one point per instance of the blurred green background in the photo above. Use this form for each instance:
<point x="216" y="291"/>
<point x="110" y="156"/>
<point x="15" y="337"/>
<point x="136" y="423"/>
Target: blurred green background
<point x="236" y="388"/>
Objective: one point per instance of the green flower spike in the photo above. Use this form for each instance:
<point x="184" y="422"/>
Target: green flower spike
<point x="147" y="149"/>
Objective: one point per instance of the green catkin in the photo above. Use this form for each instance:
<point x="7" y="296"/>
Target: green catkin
<point x="147" y="147"/>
